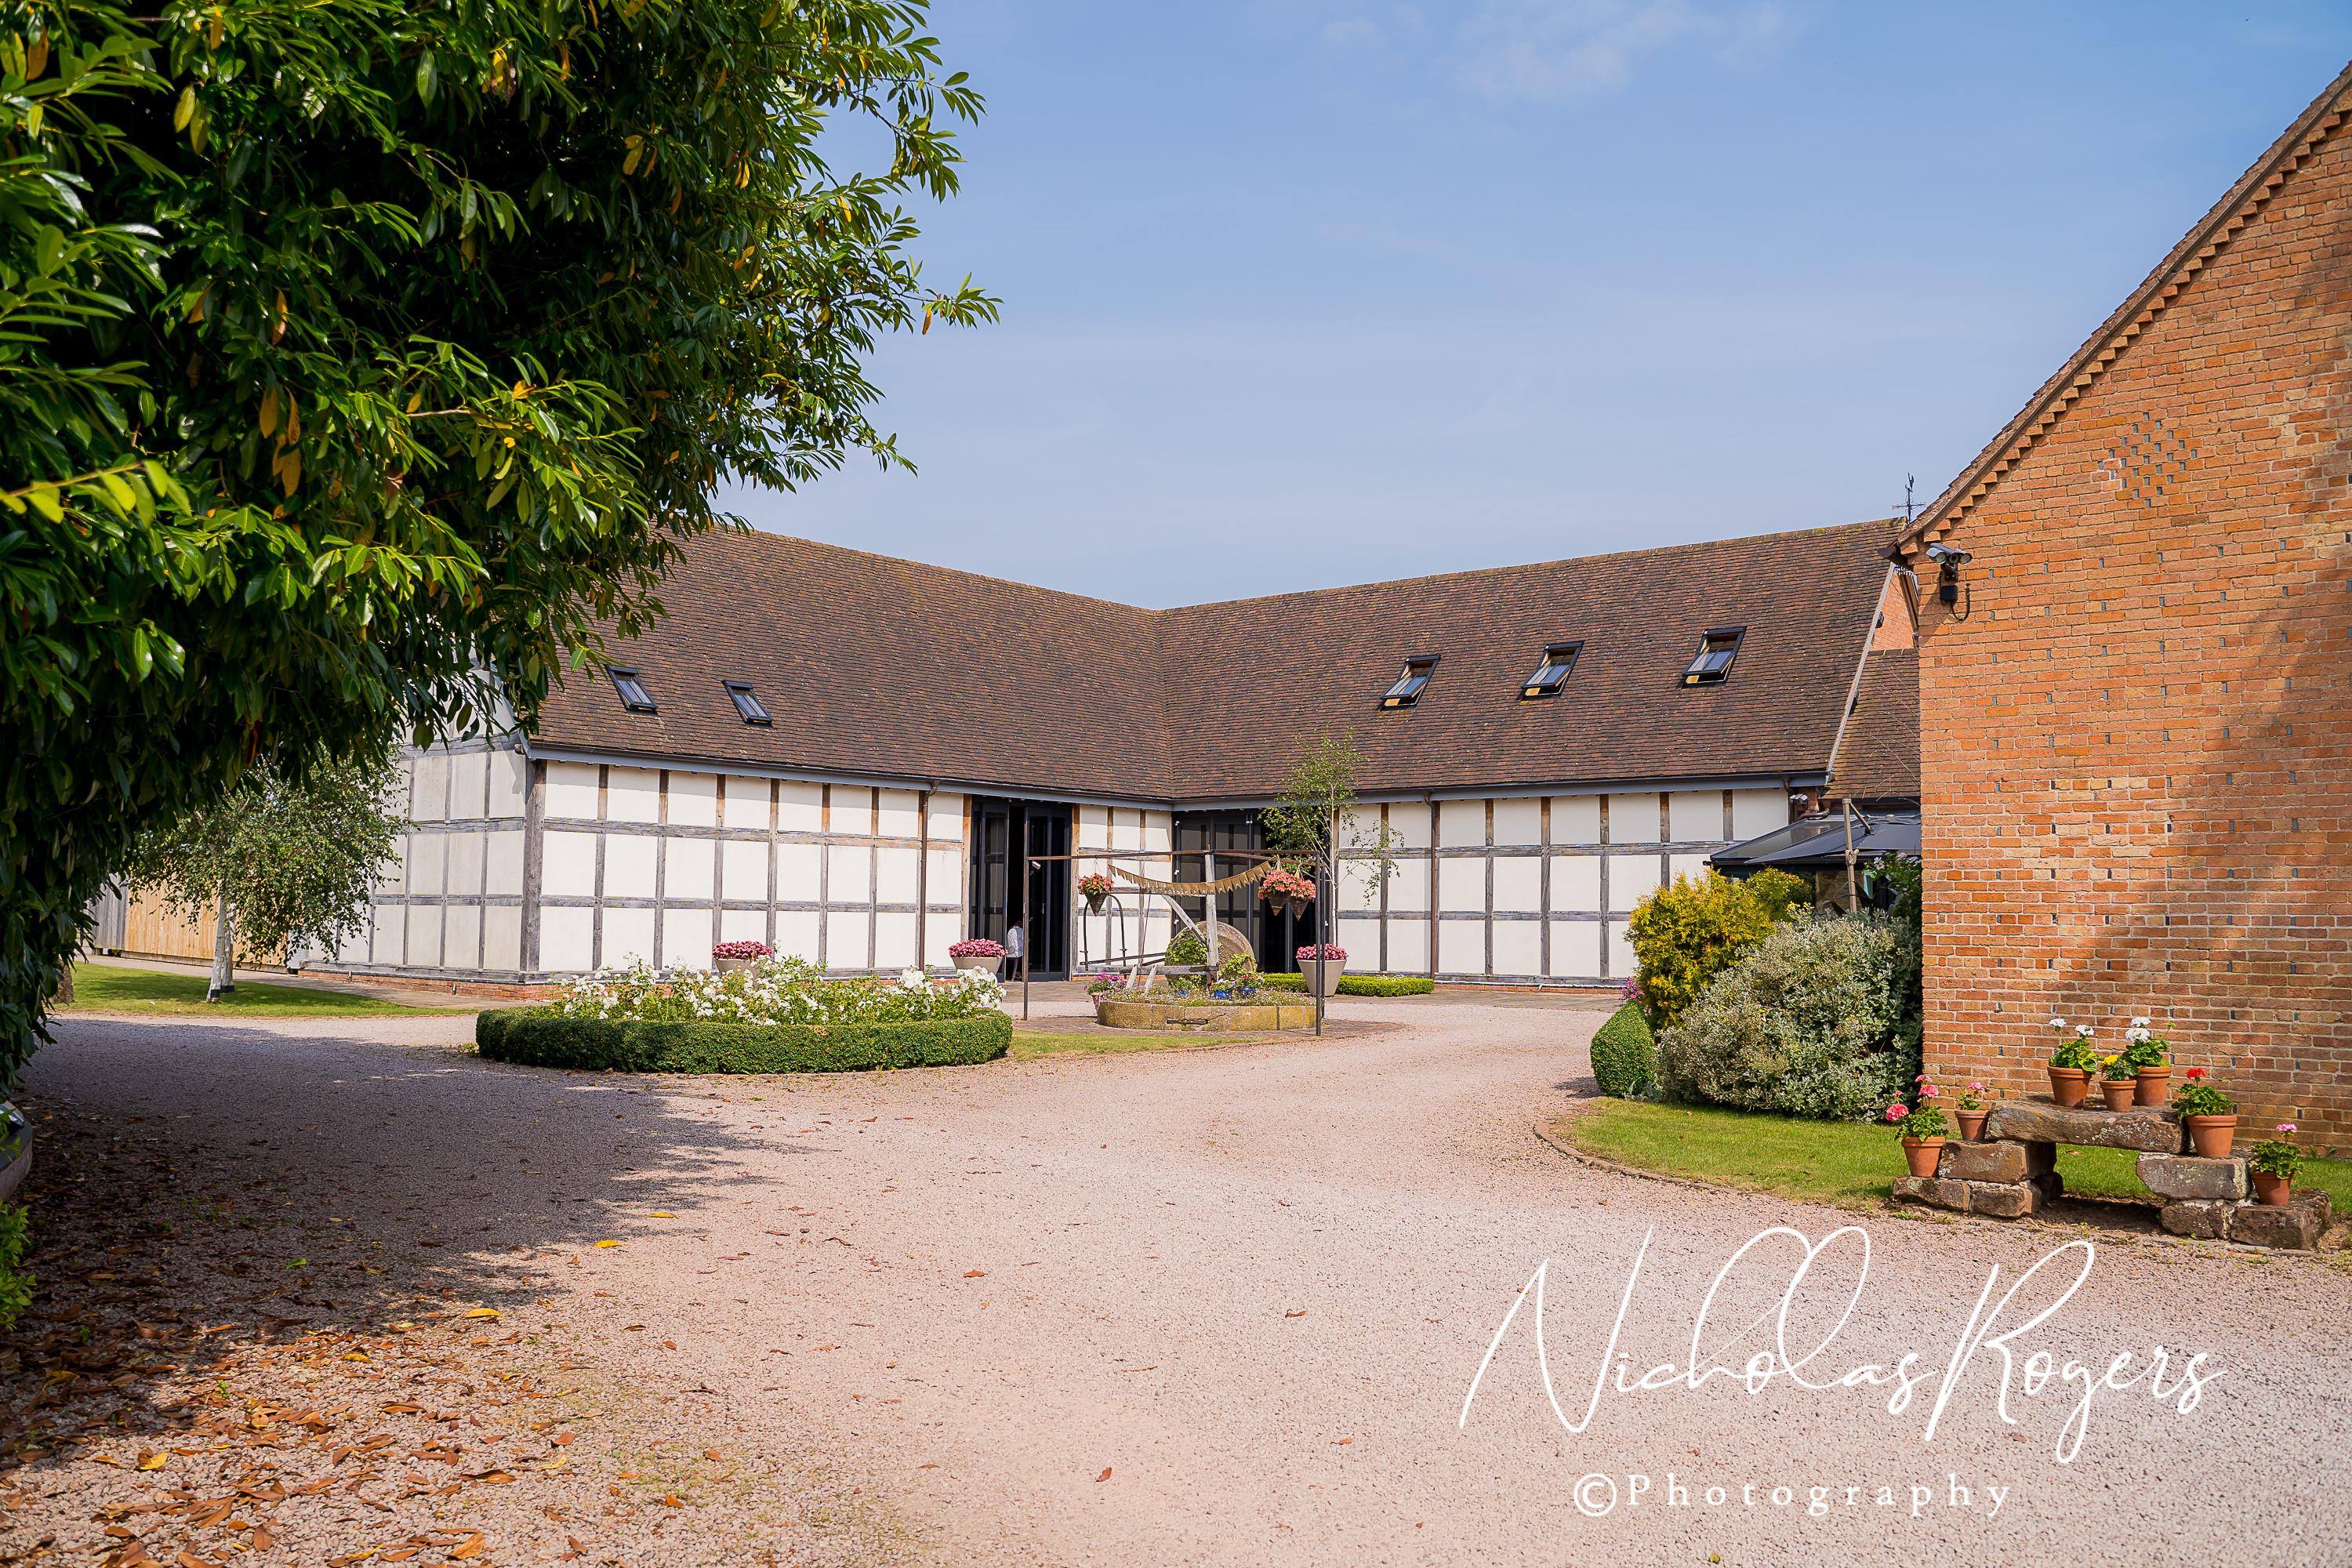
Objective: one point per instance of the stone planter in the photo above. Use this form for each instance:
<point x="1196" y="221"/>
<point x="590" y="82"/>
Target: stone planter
<point x="729" y="965"/>
<point x="974" y="962"/>
<point x="2068" y="1085"/>
<point x="2212" y="1135"/>
<point x="2275" y="1191"/>
<point x="2121" y="1093"/>
<point x="1972" y="1124"/>
<point x="1921" y="1155"/>
<point x="2155" y="1083"/>
<point x="1333" y="970"/>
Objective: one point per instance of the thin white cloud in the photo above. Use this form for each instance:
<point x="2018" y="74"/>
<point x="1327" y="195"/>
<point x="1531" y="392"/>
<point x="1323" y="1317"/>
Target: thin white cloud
<point x="1552" y="50"/>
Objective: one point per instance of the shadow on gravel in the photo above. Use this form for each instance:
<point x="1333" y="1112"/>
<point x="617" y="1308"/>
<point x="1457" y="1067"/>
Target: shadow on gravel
<point x="201" y="1190"/>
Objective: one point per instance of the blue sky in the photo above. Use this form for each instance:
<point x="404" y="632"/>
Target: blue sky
<point x="1300" y="293"/>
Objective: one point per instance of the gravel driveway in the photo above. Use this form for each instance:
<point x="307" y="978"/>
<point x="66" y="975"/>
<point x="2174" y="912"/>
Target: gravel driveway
<point x="1213" y="1306"/>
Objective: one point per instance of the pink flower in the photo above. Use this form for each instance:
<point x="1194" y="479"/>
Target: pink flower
<point x="2286" y="1126"/>
<point x="1897" y="1112"/>
<point x="1975" y="1089"/>
<point x="1928" y="1091"/>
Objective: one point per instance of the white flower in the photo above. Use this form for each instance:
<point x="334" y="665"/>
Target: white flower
<point x="2139" y="1023"/>
<point x="2135" y="1034"/>
<point x="2085" y="1030"/>
<point x="2057" y="1022"/>
<point x="913" y="979"/>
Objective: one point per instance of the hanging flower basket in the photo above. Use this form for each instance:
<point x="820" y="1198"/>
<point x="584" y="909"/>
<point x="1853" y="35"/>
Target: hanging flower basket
<point x="1281" y="886"/>
<point x="1095" y="888"/>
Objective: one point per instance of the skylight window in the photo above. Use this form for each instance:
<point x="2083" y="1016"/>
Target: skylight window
<point x="746" y="704"/>
<point x="1552" y="674"/>
<point x="634" y="695"/>
<point x="1717" y="649"/>
<point x="1407" y="689"/>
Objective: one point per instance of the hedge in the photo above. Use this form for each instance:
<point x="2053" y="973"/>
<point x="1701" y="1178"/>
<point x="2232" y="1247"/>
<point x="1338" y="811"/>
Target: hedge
<point x="1357" y="984"/>
<point x="1623" y="1058"/>
<point x="534" y="1037"/>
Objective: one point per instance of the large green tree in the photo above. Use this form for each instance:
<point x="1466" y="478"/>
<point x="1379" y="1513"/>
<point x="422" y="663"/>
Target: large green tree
<point x="359" y="361"/>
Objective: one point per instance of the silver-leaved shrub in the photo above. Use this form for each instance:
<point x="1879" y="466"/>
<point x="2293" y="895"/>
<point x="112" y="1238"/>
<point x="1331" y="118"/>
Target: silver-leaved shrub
<point x="1821" y="1020"/>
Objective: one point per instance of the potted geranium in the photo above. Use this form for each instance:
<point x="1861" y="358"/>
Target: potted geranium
<point x="2119" y="1081"/>
<point x="731" y="956"/>
<point x="1972" y="1112"/>
<point x="1922" y="1126"/>
<point x="978" y="952"/>
<point x="2275" y="1167"/>
<point x="2150" y="1060"/>
<point x="1335" y="965"/>
<point x="2212" y="1119"/>
<point x="1284" y="886"/>
<point x="2071" y="1064"/>
<point x="1094" y="886"/>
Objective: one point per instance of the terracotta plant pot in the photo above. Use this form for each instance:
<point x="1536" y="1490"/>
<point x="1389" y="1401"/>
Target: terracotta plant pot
<point x="1921" y="1155"/>
<point x="2119" y="1093"/>
<point x="2154" y="1085"/>
<point x="1972" y="1124"/>
<point x="2068" y="1085"/>
<point x="2272" y="1190"/>
<point x="2210" y="1135"/>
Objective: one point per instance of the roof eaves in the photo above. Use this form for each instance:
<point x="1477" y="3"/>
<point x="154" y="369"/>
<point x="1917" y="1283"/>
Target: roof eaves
<point x="2220" y="224"/>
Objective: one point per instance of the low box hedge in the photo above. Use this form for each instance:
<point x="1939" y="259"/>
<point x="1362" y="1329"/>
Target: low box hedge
<point x="535" y="1037"/>
<point x="1623" y="1055"/>
<point x="1358" y="984"/>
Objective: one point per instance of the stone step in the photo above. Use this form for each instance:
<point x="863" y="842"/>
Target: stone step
<point x="2190" y="1176"/>
<point x="2151" y="1128"/>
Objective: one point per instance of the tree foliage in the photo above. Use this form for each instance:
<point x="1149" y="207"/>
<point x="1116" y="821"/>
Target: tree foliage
<point x="287" y="865"/>
<point x="1315" y="818"/>
<point x="361" y="364"/>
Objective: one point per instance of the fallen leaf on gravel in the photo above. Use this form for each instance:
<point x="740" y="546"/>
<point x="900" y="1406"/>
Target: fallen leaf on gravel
<point x="608" y="1244"/>
<point x="152" y="1461"/>
<point x="669" y="1344"/>
<point x="633" y="1328"/>
<point x="472" y="1547"/>
<point x="975" y="1274"/>
<point x="483" y="1312"/>
<point x="673" y="1500"/>
<point x="1300" y="1313"/>
<point x="658" y="1214"/>
<point x="1106" y="1475"/>
<point x="710" y="1453"/>
<point x="1343" y="1442"/>
<point x="927" y="1466"/>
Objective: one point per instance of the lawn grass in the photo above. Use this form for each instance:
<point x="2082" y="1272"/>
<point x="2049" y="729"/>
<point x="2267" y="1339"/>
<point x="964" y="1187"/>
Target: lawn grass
<point x="1029" y="1046"/>
<point x="1827" y="1162"/>
<point x="102" y="988"/>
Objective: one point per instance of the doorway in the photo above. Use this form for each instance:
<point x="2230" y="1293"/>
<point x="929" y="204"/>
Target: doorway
<point x="1003" y="832"/>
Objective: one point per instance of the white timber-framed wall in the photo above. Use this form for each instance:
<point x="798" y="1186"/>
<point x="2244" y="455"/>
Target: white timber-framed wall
<point x="1132" y="923"/>
<point x="518" y="868"/>
<point x="1531" y="888"/>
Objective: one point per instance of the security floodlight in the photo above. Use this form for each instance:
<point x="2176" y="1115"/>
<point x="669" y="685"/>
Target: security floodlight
<point x="1944" y="555"/>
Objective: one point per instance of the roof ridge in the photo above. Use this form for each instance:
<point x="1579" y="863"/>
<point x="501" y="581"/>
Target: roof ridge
<point x="2221" y="223"/>
<point x="1879" y="522"/>
<point x="931" y="566"/>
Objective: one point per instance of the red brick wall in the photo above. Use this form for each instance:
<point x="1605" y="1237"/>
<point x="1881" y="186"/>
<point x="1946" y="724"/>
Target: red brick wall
<point x="2135" y="745"/>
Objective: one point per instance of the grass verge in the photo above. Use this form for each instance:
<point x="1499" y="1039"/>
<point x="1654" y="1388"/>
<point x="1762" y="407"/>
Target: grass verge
<point x="102" y="988"/>
<point x="1826" y="1162"/>
<point x="1029" y="1046"/>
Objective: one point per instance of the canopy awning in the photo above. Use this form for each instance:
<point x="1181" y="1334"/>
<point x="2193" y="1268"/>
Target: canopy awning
<point x="1823" y="848"/>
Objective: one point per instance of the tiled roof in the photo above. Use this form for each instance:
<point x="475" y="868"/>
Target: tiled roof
<point x="879" y="668"/>
<point x="1879" y="758"/>
<point x="2220" y="224"/>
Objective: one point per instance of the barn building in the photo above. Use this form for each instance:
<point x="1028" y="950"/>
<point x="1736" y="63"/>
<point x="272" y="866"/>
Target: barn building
<point x="846" y="756"/>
